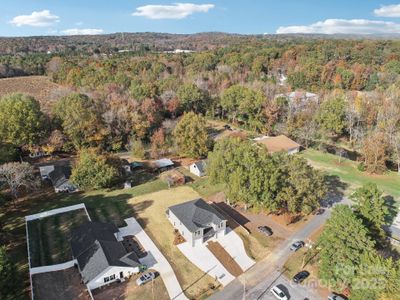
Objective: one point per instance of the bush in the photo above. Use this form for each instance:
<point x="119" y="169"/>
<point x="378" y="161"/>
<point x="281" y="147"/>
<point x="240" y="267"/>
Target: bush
<point x="361" y="167"/>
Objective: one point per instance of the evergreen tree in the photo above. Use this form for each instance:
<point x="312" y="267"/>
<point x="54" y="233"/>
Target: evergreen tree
<point x="343" y="243"/>
<point x="8" y="281"/>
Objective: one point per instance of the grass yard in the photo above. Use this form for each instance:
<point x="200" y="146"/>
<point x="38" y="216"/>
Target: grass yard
<point x="49" y="237"/>
<point x="150" y="211"/>
<point x="105" y="205"/>
<point x="347" y="171"/>
<point x="128" y="290"/>
<point x="205" y="189"/>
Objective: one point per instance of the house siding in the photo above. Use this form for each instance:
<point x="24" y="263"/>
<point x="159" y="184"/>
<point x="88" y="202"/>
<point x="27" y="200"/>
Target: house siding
<point x="99" y="280"/>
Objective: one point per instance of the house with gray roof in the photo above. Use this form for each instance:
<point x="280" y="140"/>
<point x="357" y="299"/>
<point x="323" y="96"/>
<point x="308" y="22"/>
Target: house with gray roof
<point x="197" y="221"/>
<point x="59" y="175"/>
<point x="100" y="257"/>
<point x="198" y="168"/>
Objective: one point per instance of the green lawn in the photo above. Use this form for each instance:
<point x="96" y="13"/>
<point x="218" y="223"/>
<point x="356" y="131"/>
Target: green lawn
<point x="347" y="171"/>
<point x="102" y="205"/>
<point x="49" y="237"/>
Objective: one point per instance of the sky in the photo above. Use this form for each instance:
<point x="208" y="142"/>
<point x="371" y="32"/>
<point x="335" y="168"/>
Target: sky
<point x="68" y="17"/>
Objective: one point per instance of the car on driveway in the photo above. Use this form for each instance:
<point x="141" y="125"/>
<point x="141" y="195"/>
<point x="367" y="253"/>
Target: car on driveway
<point x="335" y="297"/>
<point x="264" y="230"/>
<point x="299" y="277"/>
<point x="278" y="293"/>
<point x="296" y="246"/>
<point x="146" y="278"/>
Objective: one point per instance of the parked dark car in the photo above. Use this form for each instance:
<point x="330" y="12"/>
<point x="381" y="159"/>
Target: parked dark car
<point x="296" y="246"/>
<point x="319" y="211"/>
<point x="265" y="230"/>
<point x="227" y="127"/>
<point x="299" y="277"/>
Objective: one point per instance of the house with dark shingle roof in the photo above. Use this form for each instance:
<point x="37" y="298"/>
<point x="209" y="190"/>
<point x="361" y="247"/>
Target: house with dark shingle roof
<point x="59" y="176"/>
<point x="197" y="221"/>
<point x="100" y="257"/>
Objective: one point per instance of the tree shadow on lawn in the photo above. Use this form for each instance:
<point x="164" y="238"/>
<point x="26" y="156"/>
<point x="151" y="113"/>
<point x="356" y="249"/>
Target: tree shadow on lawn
<point x="335" y="192"/>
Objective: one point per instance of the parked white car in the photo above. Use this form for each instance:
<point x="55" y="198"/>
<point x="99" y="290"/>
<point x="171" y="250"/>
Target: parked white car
<point x="278" y="293"/>
<point x="145" y="278"/>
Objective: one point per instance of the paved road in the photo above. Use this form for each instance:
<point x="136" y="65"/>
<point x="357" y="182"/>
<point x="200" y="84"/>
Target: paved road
<point x="256" y="282"/>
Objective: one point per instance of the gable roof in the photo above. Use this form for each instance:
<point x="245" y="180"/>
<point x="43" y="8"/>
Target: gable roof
<point x="278" y="143"/>
<point x="196" y="214"/>
<point x="60" y="175"/>
<point x="201" y="165"/>
<point x="163" y="163"/>
<point x="96" y="248"/>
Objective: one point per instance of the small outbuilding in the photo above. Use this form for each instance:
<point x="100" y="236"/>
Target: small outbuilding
<point x="59" y="176"/>
<point x="198" y="168"/>
<point x="173" y="178"/>
<point x="280" y="143"/>
<point x="163" y="164"/>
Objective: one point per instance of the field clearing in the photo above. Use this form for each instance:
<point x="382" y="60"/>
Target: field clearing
<point x="347" y="171"/>
<point x="39" y="87"/>
<point x="49" y="238"/>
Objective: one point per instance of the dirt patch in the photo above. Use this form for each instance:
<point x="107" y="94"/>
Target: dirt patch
<point x="59" y="285"/>
<point x="39" y="87"/>
<point x="225" y="259"/>
<point x="128" y="290"/>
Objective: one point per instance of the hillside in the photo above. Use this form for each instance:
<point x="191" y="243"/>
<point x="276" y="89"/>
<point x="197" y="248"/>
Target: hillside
<point x="40" y="87"/>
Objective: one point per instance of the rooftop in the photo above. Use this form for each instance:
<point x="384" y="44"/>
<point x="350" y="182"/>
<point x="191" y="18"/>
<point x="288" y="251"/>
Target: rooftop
<point x="196" y="214"/>
<point x="277" y="143"/>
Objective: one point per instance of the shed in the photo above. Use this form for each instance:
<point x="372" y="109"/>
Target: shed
<point x="198" y="168"/>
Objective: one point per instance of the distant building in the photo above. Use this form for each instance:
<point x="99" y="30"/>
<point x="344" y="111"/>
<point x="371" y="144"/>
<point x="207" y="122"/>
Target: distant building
<point x="279" y="143"/>
<point x="299" y="99"/>
<point x="197" y="221"/>
<point x="198" y="168"/>
<point x="59" y="176"/>
<point x="100" y="257"/>
<point x="163" y="164"/>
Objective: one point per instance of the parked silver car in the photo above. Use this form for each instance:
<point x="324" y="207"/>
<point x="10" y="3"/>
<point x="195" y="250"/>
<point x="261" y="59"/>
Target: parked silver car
<point x="145" y="278"/>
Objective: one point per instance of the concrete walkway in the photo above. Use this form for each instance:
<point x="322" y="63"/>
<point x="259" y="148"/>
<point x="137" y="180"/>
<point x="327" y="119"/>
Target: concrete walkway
<point x="203" y="258"/>
<point x="155" y="259"/>
<point x="233" y="244"/>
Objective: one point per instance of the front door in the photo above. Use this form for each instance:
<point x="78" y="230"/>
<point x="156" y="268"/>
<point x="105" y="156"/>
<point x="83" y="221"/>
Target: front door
<point x="121" y="274"/>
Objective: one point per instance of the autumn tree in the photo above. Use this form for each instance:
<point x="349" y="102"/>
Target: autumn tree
<point x="159" y="146"/>
<point x="190" y="135"/>
<point x="92" y="171"/>
<point x="17" y="175"/>
<point x="192" y="98"/>
<point x="21" y="121"/>
<point x="137" y="149"/>
<point x="79" y="120"/>
<point x="375" y="153"/>
<point x="332" y="115"/>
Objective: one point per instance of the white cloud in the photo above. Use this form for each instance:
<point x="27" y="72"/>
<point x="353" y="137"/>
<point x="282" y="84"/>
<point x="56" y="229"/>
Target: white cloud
<point x="37" y="19"/>
<point x="79" y="31"/>
<point x="392" y="11"/>
<point x="174" y="11"/>
<point x="354" y="26"/>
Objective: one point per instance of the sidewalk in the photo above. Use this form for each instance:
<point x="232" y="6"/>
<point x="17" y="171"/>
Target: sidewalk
<point x="155" y="258"/>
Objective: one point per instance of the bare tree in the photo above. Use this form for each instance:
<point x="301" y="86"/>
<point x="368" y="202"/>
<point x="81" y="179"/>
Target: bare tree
<point x="17" y="175"/>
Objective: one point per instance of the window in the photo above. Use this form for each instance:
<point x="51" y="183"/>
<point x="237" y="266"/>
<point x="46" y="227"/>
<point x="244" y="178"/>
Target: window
<point x="109" y="278"/>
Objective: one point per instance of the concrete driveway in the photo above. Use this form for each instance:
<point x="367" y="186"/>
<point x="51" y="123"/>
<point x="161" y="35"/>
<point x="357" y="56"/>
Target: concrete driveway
<point x="203" y="258"/>
<point x="155" y="259"/>
<point x="233" y="244"/>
